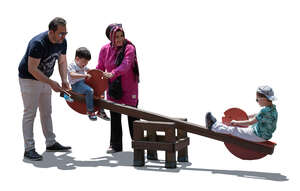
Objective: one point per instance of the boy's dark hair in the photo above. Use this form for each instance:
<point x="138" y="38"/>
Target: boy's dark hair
<point x="83" y="52"/>
<point x="261" y="95"/>
<point x="55" y="22"/>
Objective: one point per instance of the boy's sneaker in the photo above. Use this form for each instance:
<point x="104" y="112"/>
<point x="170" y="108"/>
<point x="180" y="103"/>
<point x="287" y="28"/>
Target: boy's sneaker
<point x="32" y="155"/>
<point x="102" y="115"/>
<point x="92" y="116"/>
<point x="57" y="148"/>
<point x="209" y="120"/>
<point x="68" y="98"/>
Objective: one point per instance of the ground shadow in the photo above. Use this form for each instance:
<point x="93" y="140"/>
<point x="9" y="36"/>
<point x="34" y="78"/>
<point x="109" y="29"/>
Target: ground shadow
<point x="65" y="162"/>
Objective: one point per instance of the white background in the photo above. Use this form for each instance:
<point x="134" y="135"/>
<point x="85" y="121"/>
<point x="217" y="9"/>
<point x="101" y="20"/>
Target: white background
<point x="194" y="57"/>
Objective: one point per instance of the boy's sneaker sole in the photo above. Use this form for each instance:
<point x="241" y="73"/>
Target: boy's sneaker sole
<point x="93" y="118"/>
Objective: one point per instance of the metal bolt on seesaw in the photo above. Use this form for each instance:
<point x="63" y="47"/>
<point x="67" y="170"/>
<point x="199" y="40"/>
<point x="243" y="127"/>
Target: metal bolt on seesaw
<point x="175" y="138"/>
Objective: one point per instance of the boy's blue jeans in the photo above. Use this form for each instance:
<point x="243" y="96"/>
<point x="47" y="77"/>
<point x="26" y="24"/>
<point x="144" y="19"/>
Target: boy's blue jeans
<point x="82" y="88"/>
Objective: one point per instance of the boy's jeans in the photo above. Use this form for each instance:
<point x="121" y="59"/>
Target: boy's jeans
<point x="82" y="88"/>
<point x="36" y="94"/>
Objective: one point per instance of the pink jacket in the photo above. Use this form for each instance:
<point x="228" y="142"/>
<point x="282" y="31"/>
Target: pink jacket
<point x="106" y="62"/>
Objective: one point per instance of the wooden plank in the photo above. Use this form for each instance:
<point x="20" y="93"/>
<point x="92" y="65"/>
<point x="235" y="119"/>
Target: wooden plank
<point x="159" y="138"/>
<point x="153" y="145"/>
<point x="154" y="125"/>
<point x="182" y="143"/>
<point x="163" y="146"/>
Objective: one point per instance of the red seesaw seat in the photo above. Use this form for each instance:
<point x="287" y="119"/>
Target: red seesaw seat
<point x="98" y="82"/>
<point x="238" y="151"/>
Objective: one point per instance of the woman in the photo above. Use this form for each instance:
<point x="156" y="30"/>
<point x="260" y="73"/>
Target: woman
<point x="118" y="60"/>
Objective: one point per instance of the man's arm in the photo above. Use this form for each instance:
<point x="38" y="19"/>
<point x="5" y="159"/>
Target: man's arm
<point x="33" y="64"/>
<point x="62" y="67"/>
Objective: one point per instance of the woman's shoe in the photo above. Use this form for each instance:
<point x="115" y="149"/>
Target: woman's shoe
<point x="112" y="150"/>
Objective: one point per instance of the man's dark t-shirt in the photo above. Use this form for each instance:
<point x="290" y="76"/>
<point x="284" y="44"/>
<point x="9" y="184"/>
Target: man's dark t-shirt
<point x="41" y="47"/>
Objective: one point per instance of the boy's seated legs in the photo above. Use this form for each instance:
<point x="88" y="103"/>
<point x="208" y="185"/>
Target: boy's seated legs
<point x="82" y="88"/>
<point x="219" y="127"/>
<point x="241" y="132"/>
<point x="246" y="133"/>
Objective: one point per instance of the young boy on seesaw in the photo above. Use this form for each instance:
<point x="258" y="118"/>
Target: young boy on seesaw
<point x="261" y="126"/>
<point x="77" y="72"/>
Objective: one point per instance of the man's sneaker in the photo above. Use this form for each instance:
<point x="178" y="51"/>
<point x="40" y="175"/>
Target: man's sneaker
<point x="112" y="150"/>
<point x="57" y="148"/>
<point x="32" y="155"/>
<point x="101" y="113"/>
<point x="209" y="120"/>
<point x="92" y="116"/>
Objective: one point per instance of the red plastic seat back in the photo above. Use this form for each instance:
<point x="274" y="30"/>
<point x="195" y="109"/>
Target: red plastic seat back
<point x="240" y="152"/>
<point x="99" y="83"/>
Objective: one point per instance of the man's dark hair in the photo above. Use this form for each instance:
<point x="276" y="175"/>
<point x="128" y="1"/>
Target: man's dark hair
<point x="83" y="52"/>
<point x="55" y="22"/>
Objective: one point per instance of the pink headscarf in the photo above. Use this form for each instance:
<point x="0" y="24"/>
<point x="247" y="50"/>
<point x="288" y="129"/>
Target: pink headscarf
<point x="111" y="31"/>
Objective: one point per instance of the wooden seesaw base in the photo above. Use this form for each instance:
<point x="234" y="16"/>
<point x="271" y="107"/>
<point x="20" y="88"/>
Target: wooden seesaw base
<point x="170" y="142"/>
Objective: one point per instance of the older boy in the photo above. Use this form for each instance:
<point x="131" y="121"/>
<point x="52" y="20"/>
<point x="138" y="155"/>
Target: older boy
<point x="261" y="126"/>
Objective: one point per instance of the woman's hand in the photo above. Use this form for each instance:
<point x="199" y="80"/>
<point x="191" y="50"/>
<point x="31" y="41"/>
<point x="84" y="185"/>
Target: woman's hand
<point x="108" y="74"/>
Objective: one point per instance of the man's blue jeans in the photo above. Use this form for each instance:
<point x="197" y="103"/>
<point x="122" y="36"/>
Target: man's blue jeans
<point x="82" y="88"/>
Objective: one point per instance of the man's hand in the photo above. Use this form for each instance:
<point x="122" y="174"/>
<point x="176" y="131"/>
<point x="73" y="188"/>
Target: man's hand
<point x="65" y="85"/>
<point x="55" y="86"/>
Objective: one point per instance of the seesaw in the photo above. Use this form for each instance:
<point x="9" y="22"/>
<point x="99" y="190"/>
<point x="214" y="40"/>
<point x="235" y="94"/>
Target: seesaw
<point x="171" y="143"/>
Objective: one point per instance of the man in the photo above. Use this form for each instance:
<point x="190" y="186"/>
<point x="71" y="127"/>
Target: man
<point x="35" y="70"/>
